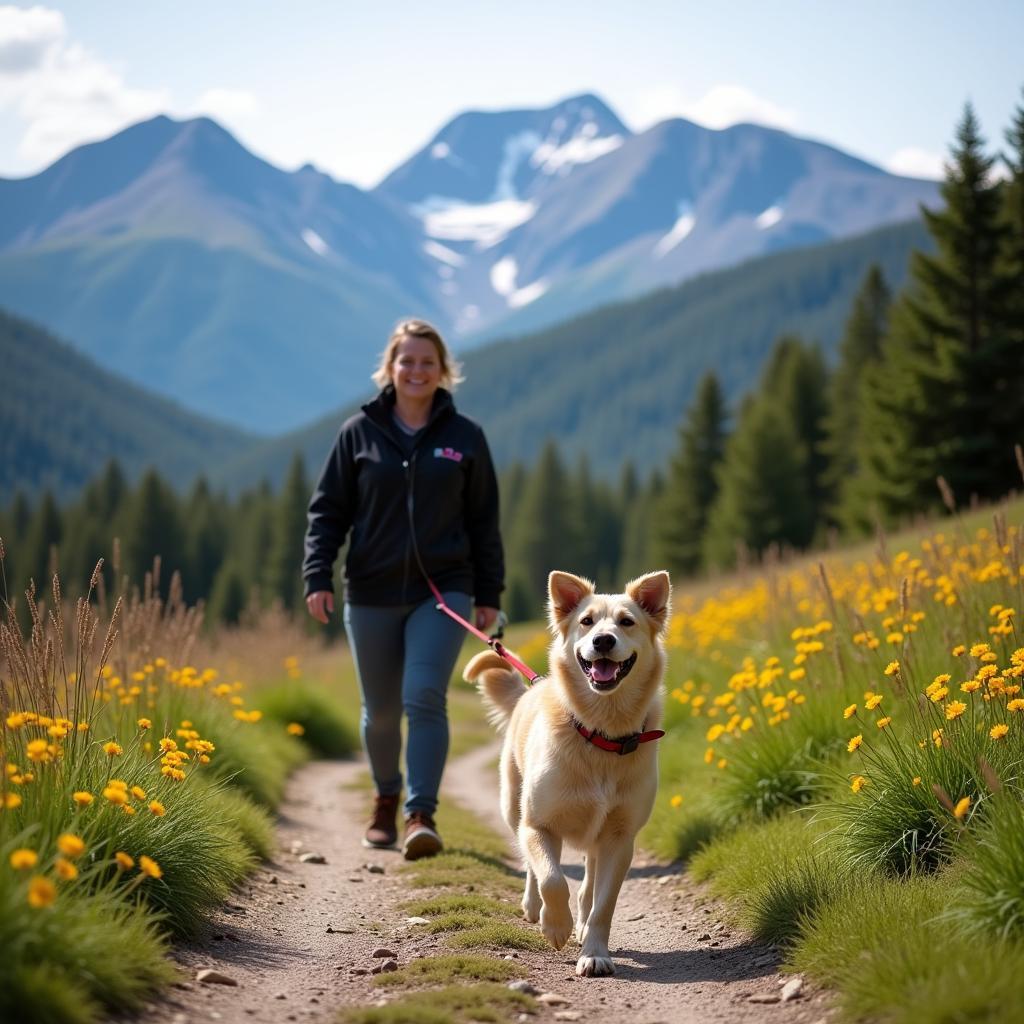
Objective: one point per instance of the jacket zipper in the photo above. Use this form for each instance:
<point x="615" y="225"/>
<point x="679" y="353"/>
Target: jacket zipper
<point x="409" y="466"/>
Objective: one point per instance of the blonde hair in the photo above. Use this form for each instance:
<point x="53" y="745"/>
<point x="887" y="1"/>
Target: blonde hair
<point x="451" y="375"/>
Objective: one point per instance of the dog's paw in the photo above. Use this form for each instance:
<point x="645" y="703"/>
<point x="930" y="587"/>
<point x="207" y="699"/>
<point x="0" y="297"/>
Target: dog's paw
<point x="556" y="924"/>
<point x="531" y="909"/>
<point x="594" y="966"/>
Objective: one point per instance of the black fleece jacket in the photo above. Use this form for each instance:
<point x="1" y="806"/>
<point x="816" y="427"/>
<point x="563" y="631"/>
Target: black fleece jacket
<point x="373" y="484"/>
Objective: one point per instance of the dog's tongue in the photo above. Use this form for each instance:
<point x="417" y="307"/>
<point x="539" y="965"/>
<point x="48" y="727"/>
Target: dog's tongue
<point x="603" y="670"/>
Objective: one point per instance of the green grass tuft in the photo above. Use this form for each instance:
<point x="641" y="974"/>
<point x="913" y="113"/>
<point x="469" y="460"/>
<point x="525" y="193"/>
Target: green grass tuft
<point x="443" y="970"/>
<point x="487" y="1003"/>
<point x="330" y="729"/>
<point x="497" y="935"/>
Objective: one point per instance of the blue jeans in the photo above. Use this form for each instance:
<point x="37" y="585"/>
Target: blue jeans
<point x="404" y="656"/>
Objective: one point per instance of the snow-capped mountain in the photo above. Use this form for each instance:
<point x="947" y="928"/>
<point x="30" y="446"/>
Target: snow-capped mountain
<point x="535" y="215"/>
<point x="174" y="256"/>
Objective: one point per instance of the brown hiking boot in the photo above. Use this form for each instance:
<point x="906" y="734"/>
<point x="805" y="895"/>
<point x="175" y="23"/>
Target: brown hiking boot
<point x="421" y="838"/>
<point x="383" y="828"/>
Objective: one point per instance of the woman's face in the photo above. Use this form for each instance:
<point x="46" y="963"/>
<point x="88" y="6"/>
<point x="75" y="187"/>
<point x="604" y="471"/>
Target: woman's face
<point x="416" y="368"/>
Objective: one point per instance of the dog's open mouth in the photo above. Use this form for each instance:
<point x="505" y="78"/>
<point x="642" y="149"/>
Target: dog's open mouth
<point x="605" y="674"/>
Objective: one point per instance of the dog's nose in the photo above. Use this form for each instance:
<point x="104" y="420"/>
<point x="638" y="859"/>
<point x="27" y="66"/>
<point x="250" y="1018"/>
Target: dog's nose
<point x="603" y="642"/>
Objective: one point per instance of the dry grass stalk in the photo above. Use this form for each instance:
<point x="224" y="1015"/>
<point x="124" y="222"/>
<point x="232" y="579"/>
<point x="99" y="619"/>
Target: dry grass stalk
<point x="948" y="498"/>
<point x="1019" y="453"/>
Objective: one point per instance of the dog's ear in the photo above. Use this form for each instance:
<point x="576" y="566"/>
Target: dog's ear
<point x="565" y="592"/>
<point x="653" y="593"/>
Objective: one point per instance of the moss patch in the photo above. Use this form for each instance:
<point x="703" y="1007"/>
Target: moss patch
<point x="455" y="1004"/>
<point x="443" y="970"/>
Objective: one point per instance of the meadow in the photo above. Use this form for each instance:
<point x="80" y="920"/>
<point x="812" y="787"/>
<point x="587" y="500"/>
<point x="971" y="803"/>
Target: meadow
<point x="842" y="765"/>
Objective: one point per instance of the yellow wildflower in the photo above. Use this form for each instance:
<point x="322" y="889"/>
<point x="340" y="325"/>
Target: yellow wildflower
<point x="70" y="845"/>
<point x="65" y="869"/>
<point x="850" y="711"/>
<point x="148" y="866"/>
<point x="11" y="800"/>
<point x="954" y="709"/>
<point x="144" y="723"/>
<point x="83" y="798"/>
<point x="676" y="801"/>
<point x="893" y="668"/>
<point x="854" y="743"/>
<point x="858" y="783"/>
<point x="959" y="650"/>
<point x="873" y="701"/>
<point x="138" y="792"/>
<point x="997" y="732"/>
<point x="963" y="805"/>
<point x="916" y="780"/>
<point x="41" y="892"/>
<point x="23" y="858"/>
<point x="1017" y="704"/>
<point x="883" y="722"/>
<point x="113" y="749"/>
<point x="116" y="795"/>
<point x="157" y="808"/>
<point x="124" y="862"/>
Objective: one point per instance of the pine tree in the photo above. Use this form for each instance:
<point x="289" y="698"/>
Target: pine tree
<point x="42" y="540"/>
<point x="1013" y="257"/>
<point x="542" y="533"/>
<point x="205" y="542"/>
<point x="681" y="516"/>
<point x="284" y="564"/>
<point x="937" y="404"/>
<point x="227" y="597"/>
<point x="795" y="378"/>
<point x="763" y="494"/>
<point x="860" y="347"/>
<point x="638" y="555"/>
<point x="152" y="527"/>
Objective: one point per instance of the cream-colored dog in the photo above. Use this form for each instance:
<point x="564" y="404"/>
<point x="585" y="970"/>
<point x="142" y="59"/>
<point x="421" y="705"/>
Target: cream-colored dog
<point x="559" y="781"/>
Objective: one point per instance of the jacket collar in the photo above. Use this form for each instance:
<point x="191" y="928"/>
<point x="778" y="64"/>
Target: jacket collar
<point x="380" y="410"/>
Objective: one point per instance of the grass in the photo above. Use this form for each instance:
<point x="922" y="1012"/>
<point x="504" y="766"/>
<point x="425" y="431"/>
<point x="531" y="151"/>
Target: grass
<point x="329" y="729"/>
<point x="454" y="1004"/>
<point x="443" y="970"/>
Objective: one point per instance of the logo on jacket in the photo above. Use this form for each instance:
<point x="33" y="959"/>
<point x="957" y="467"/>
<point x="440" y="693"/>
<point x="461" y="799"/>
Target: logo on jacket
<point x="448" y="453"/>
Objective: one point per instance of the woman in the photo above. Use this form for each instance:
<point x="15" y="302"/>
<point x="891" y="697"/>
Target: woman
<point x="413" y="481"/>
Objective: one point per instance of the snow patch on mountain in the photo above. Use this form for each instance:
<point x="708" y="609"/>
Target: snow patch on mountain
<point x="440" y="150"/>
<point x="769" y="218"/>
<point x="503" y="280"/>
<point x="483" y="223"/>
<point x="553" y="157"/>
<point x="443" y="253"/>
<point x="315" y="242"/>
<point x="685" y="221"/>
<point x="518" y="148"/>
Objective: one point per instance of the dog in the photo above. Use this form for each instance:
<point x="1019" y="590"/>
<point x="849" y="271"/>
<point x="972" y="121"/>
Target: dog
<point x="605" y="688"/>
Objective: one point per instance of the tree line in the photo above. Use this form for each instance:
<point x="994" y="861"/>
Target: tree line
<point x="928" y="384"/>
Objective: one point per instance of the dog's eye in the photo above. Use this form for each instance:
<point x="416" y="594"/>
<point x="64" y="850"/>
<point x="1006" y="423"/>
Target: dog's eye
<point x="626" y="621"/>
<point x="587" y="620"/>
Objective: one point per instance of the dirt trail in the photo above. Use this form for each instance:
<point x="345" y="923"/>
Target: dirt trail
<point x="299" y="938"/>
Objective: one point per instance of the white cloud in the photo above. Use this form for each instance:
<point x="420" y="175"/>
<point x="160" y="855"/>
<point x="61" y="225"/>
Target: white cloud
<point x="722" y="105"/>
<point x="915" y="162"/>
<point x="63" y="93"/>
<point x="26" y="34"/>
<point x="227" y="104"/>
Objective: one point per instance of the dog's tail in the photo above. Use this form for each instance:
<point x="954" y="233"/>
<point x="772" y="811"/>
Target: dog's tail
<point x="499" y="685"/>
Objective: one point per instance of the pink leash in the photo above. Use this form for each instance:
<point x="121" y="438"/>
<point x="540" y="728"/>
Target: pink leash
<point x="493" y="642"/>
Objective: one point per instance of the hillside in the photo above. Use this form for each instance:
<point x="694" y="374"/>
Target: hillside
<point x="62" y="418"/>
<point x="615" y="383"/>
<point x="173" y="256"/>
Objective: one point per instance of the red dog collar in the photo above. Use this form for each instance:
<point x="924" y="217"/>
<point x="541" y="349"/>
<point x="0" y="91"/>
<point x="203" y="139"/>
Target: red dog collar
<point x="623" y="745"/>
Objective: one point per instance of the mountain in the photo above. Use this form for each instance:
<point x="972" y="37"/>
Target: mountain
<point x="614" y="384"/>
<point x="63" y="417"/>
<point x="173" y="256"/>
<point x="534" y="216"/>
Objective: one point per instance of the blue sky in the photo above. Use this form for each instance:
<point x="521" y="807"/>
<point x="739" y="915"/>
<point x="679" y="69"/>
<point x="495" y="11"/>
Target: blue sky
<point x="355" y="88"/>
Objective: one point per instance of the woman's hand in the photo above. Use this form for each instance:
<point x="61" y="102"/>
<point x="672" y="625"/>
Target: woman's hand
<point x="320" y="604"/>
<point x="484" y="618"/>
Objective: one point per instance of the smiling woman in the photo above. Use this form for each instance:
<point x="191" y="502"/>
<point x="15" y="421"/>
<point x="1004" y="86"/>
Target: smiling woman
<point x="412" y="479"/>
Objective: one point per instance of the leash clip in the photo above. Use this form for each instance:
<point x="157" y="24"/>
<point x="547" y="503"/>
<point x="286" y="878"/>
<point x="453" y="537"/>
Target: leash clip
<point x="499" y="625"/>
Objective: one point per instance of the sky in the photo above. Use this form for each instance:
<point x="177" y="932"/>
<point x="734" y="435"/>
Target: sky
<point x="356" y="88"/>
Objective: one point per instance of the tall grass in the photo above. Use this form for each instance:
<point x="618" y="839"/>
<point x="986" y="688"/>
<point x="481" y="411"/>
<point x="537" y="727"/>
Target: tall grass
<point x="130" y="801"/>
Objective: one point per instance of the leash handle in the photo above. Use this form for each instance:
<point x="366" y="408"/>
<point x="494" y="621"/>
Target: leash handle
<point x="493" y="642"/>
